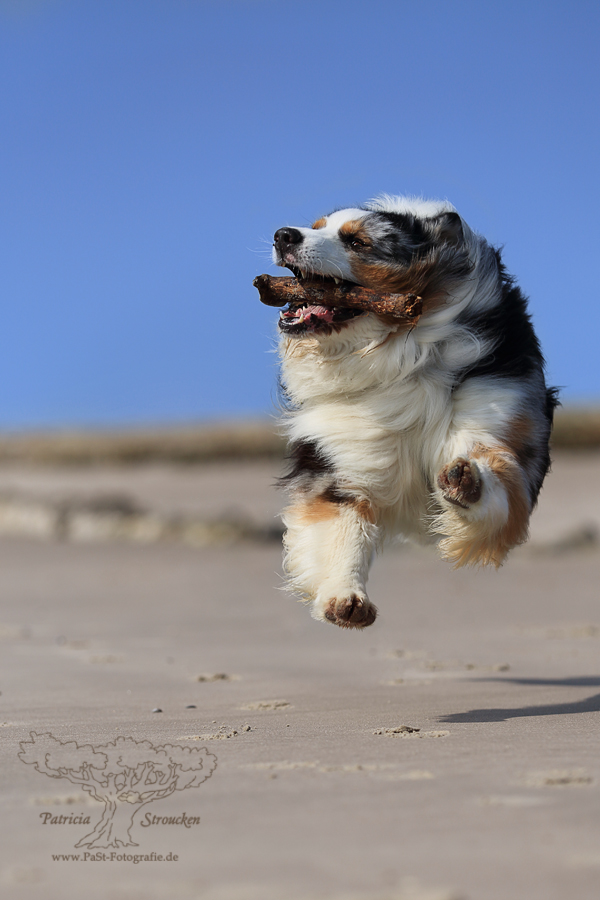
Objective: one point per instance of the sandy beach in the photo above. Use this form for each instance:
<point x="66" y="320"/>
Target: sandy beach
<point x="450" y="752"/>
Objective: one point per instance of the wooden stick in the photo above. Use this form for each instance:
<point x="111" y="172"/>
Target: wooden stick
<point x="279" y="291"/>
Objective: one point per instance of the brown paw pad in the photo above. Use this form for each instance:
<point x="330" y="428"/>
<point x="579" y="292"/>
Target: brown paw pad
<point x="351" y="612"/>
<point x="460" y="482"/>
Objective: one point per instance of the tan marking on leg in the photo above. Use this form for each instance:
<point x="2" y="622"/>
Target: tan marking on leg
<point x="365" y="511"/>
<point x="507" y="469"/>
<point x="321" y="508"/>
<point x="468" y="546"/>
<point x="317" y="509"/>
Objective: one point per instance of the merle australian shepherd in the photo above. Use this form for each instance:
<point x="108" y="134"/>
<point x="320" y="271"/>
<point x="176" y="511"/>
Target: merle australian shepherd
<point x="434" y="432"/>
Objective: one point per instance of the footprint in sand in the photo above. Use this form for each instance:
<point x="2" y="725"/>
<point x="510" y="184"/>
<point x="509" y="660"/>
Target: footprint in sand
<point x="268" y="704"/>
<point x="216" y="676"/>
<point x="559" y="778"/>
<point x="407" y="731"/>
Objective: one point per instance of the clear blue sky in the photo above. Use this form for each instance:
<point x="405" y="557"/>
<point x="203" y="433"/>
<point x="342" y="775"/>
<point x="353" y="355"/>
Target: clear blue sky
<point x="150" y="148"/>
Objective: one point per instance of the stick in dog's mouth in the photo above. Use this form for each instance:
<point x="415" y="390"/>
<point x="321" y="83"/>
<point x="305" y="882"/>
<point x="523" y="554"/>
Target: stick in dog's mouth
<point x="320" y="303"/>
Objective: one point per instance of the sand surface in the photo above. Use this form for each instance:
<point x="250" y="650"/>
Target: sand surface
<point x="450" y="752"/>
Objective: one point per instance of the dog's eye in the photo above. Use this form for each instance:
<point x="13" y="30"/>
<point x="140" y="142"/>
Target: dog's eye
<point x="354" y="242"/>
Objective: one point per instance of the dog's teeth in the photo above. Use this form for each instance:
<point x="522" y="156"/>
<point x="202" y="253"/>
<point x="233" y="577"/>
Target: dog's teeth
<point x="337" y="280"/>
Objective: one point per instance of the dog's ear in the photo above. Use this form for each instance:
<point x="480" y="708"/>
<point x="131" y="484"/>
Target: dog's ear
<point x="447" y="228"/>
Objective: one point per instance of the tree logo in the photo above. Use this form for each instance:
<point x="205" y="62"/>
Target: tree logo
<point x="124" y="775"/>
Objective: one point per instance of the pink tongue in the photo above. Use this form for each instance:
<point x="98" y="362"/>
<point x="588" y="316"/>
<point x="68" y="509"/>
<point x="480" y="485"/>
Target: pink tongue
<point x="320" y="312"/>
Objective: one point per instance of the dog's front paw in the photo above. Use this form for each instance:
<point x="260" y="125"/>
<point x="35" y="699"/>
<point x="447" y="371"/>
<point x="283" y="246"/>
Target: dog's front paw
<point x="460" y="482"/>
<point x="351" y="611"/>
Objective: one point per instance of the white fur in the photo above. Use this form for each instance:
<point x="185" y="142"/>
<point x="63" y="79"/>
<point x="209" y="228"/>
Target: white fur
<point x="328" y="559"/>
<point x="322" y="251"/>
<point x="380" y="403"/>
<point x="418" y="206"/>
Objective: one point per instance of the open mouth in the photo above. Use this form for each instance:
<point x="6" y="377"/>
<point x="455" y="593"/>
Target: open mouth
<point x="305" y="318"/>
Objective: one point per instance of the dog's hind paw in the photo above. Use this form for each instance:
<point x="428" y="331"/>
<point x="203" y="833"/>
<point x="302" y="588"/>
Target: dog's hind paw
<point x="460" y="482"/>
<point x="352" y="611"/>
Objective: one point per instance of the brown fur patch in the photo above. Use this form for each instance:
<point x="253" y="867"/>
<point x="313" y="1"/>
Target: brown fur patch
<point x="320" y="223"/>
<point x="365" y="511"/>
<point x="506" y="468"/>
<point x="355" y="228"/>
<point x="318" y="509"/>
<point x="520" y="432"/>
<point x="523" y="438"/>
<point x="432" y="277"/>
<point x="327" y="506"/>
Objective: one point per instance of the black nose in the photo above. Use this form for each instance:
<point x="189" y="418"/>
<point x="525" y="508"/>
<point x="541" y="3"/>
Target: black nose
<point x="285" y="237"/>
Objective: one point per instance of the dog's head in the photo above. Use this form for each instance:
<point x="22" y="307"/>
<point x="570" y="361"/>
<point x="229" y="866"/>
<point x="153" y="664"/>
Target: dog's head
<point x="392" y="245"/>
